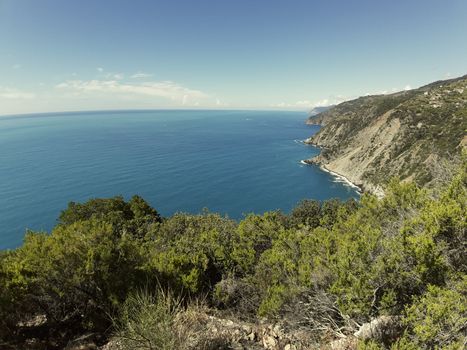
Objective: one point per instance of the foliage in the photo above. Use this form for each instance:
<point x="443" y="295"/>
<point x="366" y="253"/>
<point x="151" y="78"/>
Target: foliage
<point x="161" y="321"/>
<point x="307" y="212"/>
<point x="80" y="272"/>
<point x="329" y="266"/>
<point x="192" y="252"/>
<point x="254" y="236"/>
<point x="133" y="216"/>
<point x="147" y="321"/>
<point x="438" y="319"/>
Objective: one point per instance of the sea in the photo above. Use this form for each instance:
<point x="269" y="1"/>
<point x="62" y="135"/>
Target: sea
<point x="231" y="162"/>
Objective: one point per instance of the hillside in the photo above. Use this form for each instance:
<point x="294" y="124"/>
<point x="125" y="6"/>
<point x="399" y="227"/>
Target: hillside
<point x="317" y="110"/>
<point x="413" y="134"/>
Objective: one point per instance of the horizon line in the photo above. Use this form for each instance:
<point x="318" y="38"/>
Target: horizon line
<point x="31" y="114"/>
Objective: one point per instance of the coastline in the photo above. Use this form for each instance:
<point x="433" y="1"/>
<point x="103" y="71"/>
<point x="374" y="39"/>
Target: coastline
<point x="313" y="161"/>
<point x="342" y="177"/>
<point x="338" y="176"/>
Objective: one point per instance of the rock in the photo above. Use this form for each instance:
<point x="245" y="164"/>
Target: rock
<point x="35" y="321"/>
<point x="86" y="346"/>
<point x="348" y="343"/>
<point x="382" y="329"/>
<point x="276" y="331"/>
<point x="113" y="344"/>
<point x="85" y="342"/>
<point x="269" y="342"/>
<point x="246" y="328"/>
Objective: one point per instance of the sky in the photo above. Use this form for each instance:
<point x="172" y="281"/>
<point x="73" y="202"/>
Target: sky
<point x="63" y="55"/>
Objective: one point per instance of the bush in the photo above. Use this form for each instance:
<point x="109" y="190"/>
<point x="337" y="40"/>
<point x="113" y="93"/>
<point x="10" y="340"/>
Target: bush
<point x="402" y="255"/>
<point x="241" y="296"/>
<point x="134" y="216"/>
<point x="81" y="271"/>
<point x="254" y="236"/>
<point x="191" y="252"/>
<point x="438" y="319"/>
<point x="147" y="321"/>
<point x="161" y="321"/>
<point x="307" y="212"/>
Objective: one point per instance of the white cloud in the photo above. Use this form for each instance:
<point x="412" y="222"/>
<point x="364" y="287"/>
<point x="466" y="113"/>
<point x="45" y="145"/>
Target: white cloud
<point x="14" y="94"/>
<point x="306" y="104"/>
<point x="327" y="102"/>
<point x="164" y="89"/>
<point x="392" y="91"/>
<point x="141" y="75"/>
<point x="118" y="76"/>
<point x="100" y="69"/>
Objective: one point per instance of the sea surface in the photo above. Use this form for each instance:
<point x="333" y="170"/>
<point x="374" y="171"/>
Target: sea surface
<point x="232" y="162"/>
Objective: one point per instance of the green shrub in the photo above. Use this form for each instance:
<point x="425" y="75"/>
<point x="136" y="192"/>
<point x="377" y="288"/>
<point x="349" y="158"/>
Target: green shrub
<point x="80" y="272"/>
<point x="134" y="216"/>
<point x="438" y="319"/>
<point x="162" y="321"/>
<point x="191" y="252"/>
<point x="307" y="212"/>
<point x="147" y="321"/>
<point x="254" y="236"/>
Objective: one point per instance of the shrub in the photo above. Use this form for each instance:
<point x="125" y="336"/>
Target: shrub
<point x="147" y="321"/>
<point x="134" y="216"/>
<point x="161" y="321"/>
<point x="78" y="274"/>
<point x="254" y="236"/>
<point x="307" y="212"/>
<point x="192" y="252"/>
<point x="242" y="296"/>
<point x="438" y="319"/>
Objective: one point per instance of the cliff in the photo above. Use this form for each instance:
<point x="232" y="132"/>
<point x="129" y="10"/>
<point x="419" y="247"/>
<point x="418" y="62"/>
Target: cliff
<point x="415" y="135"/>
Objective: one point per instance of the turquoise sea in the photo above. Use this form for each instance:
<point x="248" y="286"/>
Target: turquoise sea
<point x="232" y="162"/>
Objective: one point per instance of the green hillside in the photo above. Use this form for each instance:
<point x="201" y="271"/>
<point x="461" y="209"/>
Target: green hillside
<point x="416" y="135"/>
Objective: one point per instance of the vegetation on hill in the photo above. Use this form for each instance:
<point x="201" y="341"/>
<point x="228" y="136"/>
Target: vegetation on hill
<point x="416" y="135"/>
<point x="116" y="269"/>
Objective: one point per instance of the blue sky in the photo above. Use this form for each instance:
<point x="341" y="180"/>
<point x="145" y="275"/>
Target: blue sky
<point x="58" y="55"/>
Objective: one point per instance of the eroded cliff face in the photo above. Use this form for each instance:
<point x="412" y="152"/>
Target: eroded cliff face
<point x="415" y="135"/>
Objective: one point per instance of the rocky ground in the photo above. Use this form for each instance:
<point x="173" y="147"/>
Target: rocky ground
<point x="224" y="333"/>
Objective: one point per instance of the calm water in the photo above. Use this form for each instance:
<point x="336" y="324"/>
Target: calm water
<point x="233" y="162"/>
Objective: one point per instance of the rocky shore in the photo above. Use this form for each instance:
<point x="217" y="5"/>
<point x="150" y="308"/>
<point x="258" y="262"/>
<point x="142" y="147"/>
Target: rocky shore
<point x="341" y="178"/>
